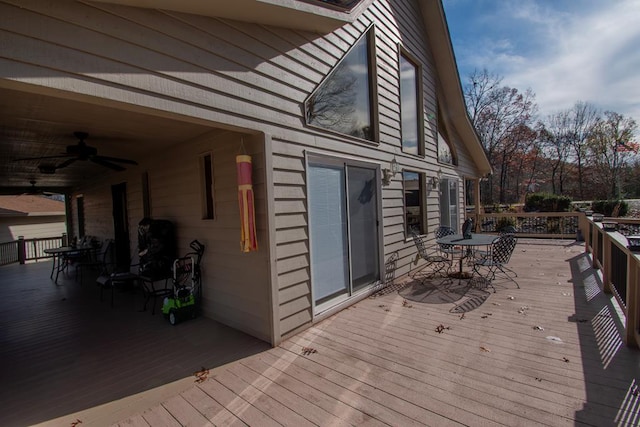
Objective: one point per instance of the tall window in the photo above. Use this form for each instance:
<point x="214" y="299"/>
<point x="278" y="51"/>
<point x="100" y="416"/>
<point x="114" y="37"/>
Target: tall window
<point x="206" y="172"/>
<point x="413" y="191"/>
<point x="449" y="213"/>
<point x="344" y="101"/>
<point x="410" y="109"/>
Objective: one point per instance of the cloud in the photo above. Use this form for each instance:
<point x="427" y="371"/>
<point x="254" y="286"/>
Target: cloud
<point x="564" y="51"/>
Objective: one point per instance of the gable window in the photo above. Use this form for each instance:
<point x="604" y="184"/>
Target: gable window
<point x="410" y="106"/>
<point x="206" y="172"/>
<point x="445" y="154"/>
<point x="413" y="205"/>
<point x="344" y="102"/>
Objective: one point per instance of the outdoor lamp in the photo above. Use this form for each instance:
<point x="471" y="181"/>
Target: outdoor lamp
<point x="389" y="173"/>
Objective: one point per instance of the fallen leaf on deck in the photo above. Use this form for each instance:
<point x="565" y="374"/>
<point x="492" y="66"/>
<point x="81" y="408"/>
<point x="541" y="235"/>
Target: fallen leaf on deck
<point x="405" y="303"/>
<point x="511" y="298"/>
<point x="538" y="328"/>
<point x="440" y="328"/>
<point x="308" y="350"/>
<point x="565" y="359"/>
<point x="485" y="349"/>
<point x="495" y="303"/>
<point x="554" y="340"/>
<point x="75" y="423"/>
<point x="462" y="316"/>
<point x="201" y="375"/>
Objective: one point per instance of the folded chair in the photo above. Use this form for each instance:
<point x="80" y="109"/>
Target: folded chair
<point x="435" y="262"/>
<point x="496" y="261"/>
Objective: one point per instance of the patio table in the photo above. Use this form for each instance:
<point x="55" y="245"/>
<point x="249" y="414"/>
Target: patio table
<point x="477" y="239"/>
<point x="59" y="261"/>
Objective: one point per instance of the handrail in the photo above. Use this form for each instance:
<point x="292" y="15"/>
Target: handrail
<point x="561" y="225"/>
<point x="620" y="270"/>
<point x="22" y="250"/>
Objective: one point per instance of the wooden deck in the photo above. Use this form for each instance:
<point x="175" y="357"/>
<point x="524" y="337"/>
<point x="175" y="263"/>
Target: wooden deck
<point x="416" y="354"/>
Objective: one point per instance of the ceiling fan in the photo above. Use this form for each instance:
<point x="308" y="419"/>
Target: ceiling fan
<point x="82" y="151"/>
<point x="35" y="191"/>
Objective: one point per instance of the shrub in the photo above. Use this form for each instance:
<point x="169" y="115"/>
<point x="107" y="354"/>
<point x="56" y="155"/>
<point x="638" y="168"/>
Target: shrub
<point x="606" y="207"/>
<point x="545" y="202"/>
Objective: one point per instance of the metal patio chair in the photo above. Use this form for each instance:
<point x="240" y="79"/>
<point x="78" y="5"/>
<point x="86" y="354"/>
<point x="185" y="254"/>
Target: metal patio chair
<point x="495" y="262"/>
<point x="435" y="262"/>
<point x="449" y="251"/>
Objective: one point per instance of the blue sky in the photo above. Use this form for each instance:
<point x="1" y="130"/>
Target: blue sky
<point x="563" y="50"/>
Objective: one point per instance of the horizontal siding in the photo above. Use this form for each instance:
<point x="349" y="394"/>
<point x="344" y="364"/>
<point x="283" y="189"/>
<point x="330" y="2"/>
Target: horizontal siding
<point x="230" y="74"/>
<point x="32" y="227"/>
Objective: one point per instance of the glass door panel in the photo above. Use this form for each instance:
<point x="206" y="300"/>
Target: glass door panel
<point x="363" y="226"/>
<point x="328" y="232"/>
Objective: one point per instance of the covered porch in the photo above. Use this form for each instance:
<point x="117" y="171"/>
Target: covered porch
<point x="550" y="353"/>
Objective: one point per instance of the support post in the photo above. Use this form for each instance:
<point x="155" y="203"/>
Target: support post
<point x="633" y="302"/>
<point x="22" y="250"/>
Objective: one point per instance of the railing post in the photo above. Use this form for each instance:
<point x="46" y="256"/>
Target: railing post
<point x="65" y="239"/>
<point x="633" y="302"/>
<point x="22" y="250"/>
<point x="595" y="247"/>
<point x="606" y="261"/>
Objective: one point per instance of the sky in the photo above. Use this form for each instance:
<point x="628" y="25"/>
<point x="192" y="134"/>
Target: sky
<point x="563" y="50"/>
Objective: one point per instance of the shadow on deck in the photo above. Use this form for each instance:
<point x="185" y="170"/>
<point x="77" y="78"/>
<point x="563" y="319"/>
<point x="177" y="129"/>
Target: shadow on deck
<point x="63" y="350"/>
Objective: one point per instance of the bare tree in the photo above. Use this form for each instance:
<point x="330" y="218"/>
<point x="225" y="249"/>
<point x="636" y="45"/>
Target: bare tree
<point x="583" y="117"/>
<point x="611" y="149"/>
<point x="555" y="134"/>
<point x="502" y="117"/>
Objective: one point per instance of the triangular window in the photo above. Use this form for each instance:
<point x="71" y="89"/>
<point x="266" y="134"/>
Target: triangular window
<point x="344" y="101"/>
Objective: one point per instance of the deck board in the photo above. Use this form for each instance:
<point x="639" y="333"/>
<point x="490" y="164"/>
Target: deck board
<point x="413" y="354"/>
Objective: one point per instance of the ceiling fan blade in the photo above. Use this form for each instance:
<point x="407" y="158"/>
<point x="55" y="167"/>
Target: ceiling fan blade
<point x="61" y="156"/>
<point x="98" y="160"/>
<point x="116" y="159"/>
<point x="66" y="163"/>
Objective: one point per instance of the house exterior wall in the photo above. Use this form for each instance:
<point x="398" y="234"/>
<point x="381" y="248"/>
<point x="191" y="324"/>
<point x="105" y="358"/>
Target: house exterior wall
<point x="231" y="75"/>
<point x="31" y="227"/>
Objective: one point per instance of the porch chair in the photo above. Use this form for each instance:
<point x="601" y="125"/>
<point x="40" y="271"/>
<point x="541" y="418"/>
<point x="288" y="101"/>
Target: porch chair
<point x="506" y="230"/>
<point x="449" y="251"/>
<point x="95" y="260"/>
<point x="435" y="262"/>
<point x="496" y="261"/>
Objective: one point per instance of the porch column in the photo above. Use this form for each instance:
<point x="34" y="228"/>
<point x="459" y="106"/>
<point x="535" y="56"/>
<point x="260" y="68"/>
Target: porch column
<point x="631" y="337"/>
<point x="476" y="202"/>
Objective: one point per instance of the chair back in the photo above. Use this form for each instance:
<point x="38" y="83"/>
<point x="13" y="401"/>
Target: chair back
<point x="508" y="229"/>
<point x="420" y="245"/>
<point x="503" y="248"/>
<point x="107" y="257"/>
<point x="443" y="231"/>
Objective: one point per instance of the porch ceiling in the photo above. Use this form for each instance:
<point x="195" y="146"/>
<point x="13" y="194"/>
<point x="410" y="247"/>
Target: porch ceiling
<point x="36" y="125"/>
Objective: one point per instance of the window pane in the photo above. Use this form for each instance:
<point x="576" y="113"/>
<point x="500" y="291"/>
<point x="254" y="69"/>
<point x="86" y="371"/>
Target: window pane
<point x="413" y="202"/>
<point x="342" y="103"/>
<point x="409" y="106"/>
<point x="444" y="151"/>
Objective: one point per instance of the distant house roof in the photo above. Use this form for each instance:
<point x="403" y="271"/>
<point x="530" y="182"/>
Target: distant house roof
<point x="29" y="205"/>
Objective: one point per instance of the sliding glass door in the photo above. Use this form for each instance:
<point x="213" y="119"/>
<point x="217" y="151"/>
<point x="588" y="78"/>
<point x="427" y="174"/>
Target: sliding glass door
<point x="344" y="229"/>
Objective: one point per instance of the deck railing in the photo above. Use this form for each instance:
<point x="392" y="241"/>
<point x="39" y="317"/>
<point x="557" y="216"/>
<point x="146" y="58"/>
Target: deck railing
<point x="620" y="268"/>
<point x="23" y="250"/>
<point x="562" y="225"/>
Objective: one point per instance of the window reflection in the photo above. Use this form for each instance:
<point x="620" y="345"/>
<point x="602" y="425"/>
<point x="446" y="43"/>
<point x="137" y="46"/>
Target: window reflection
<point x="342" y="103"/>
<point x="444" y="151"/>
<point x="413" y="201"/>
<point x="409" y="106"/>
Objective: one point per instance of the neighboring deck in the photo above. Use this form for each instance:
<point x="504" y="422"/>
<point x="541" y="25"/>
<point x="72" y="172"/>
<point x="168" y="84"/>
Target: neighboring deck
<point x="546" y="354"/>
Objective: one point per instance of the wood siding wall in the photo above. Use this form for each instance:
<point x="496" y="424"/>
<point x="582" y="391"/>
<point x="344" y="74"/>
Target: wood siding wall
<point x="31" y="227"/>
<point x="233" y="75"/>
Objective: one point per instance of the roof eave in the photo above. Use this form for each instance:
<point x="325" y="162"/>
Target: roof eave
<point x="449" y="81"/>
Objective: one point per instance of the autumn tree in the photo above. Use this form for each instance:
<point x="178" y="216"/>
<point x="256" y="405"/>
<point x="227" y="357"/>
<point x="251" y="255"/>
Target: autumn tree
<point x="611" y="150"/>
<point x="502" y="117"/>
